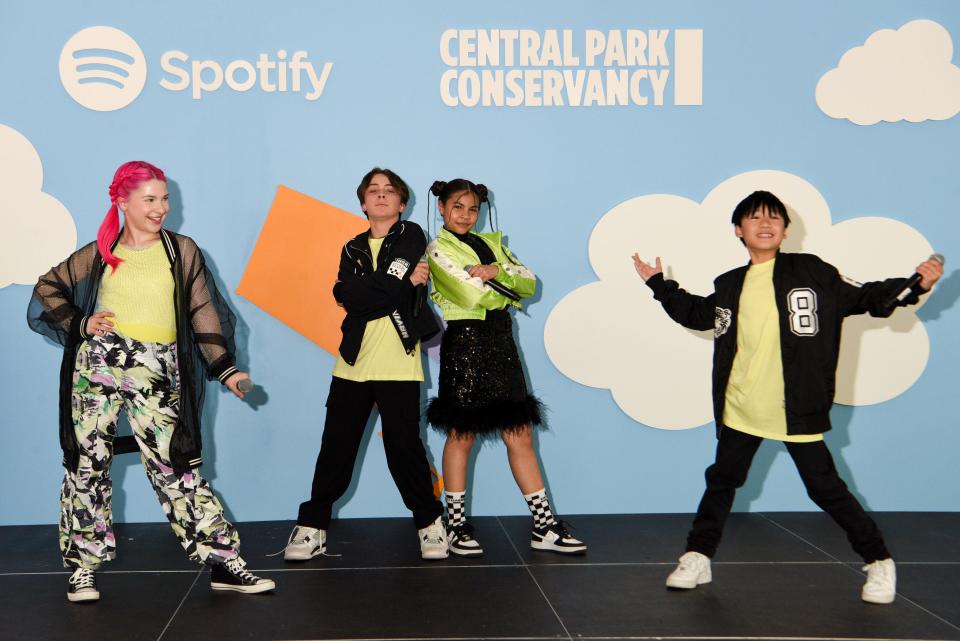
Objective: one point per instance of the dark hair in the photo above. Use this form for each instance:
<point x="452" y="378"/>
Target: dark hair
<point x="444" y="190"/>
<point x="760" y="200"/>
<point x="395" y="181"/>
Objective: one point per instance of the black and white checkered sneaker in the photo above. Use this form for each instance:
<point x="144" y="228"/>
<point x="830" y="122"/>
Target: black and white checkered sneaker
<point x="461" y="541"/>
<point x="555" y="538"/>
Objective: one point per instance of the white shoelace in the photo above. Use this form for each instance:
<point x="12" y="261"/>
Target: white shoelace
<point x="434" y="533"/>
<point x="83" y="578"/>
<point x="239" y="570"/>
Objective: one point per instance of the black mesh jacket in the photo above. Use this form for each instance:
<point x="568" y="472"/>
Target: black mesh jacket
<point x="66" y="296"/>
<point x="367" y="294"/>
<point x="812" y="300"/>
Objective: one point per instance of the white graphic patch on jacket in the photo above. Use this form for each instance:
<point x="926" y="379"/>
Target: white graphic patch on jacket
<point x="721" y="321"/>
<point x="398" y="267"/>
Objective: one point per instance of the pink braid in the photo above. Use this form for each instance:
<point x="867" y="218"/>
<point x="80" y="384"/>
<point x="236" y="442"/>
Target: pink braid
<point x="127" y="178"/>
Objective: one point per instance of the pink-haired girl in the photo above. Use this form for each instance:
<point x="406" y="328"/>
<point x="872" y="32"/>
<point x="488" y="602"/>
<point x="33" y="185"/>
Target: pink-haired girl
<point x="140" y="320"/>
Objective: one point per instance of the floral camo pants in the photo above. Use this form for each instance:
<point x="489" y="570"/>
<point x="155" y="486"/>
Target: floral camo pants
<point x="117" y="372"/>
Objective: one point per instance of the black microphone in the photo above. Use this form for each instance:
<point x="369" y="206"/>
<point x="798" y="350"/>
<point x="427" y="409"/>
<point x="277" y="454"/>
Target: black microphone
<point x="498" y="287"/>
<point x="420" y="293"/>
<point x="245" y="385"/>
<point x="907" y="287"/>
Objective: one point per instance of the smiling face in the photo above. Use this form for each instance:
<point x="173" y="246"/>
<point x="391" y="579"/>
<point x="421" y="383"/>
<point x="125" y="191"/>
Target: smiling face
<point x="381" y="200"/>
<point x="762" y="230"/>
<point x="460" y="211"/>
<point x="146" y="206"/>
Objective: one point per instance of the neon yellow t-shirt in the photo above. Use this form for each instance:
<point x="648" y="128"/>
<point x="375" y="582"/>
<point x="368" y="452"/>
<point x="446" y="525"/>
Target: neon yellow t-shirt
<point x="754" y="396"/>
<point x="381" y="357"/>
<point x="140" y="294"/>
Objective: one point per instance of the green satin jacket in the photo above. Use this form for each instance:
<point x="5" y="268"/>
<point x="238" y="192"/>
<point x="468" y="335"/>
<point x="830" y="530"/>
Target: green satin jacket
<point x="461" y="296"/>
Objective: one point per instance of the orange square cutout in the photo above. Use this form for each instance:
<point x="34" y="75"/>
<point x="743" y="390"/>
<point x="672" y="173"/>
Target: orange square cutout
<point x="294" y="265"/>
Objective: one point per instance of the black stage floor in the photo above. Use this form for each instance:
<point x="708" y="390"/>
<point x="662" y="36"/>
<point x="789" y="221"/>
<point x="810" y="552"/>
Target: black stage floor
<point x="777" y="576"/>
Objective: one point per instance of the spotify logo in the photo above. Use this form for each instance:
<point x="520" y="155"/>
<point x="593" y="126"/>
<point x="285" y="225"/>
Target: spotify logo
<point x="102" y="68"/>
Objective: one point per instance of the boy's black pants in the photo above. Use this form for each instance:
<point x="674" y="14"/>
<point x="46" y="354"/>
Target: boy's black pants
<point x="348" y="408"/>
<point x="735" y="452"/>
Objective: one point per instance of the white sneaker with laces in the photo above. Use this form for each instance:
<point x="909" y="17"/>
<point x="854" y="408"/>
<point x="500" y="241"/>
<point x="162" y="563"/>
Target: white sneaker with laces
<point x="433" y="541"/>
<point x="305" y="543"/>
<point x="555" y="538"/>
<point x="881" y="585"/>
<point x="693" y="570"/>
<point x="460" y="541"/>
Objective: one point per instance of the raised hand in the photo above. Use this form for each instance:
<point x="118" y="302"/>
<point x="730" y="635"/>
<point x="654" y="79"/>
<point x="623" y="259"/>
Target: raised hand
<point x="646" y="270"/>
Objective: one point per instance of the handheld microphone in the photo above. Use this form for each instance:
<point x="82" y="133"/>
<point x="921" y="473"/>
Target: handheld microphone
<point x="500" y="288"/>
<point x="904" y="290"/>
<point x="245" y="385"/>
<point x="420" y="293"/>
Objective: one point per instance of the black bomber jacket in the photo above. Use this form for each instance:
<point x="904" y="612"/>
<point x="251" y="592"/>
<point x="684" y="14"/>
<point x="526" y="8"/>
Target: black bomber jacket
<point x="812" y="299"/>
<point x="66" y="296"/>
<point x="368" y="294"/>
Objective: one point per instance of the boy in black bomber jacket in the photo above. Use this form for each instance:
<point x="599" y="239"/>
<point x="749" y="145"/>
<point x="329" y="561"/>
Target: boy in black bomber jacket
<point x="379" y="364"/>
<point x="777" y="325"/>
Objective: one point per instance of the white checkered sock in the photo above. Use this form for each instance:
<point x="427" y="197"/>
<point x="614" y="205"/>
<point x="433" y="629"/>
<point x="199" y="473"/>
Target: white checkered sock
<point x="540" y="509"/>
<point x="456" y="509"/>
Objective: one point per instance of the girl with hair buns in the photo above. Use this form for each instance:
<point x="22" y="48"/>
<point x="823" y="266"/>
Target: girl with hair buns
<point x="140" y="320"/>
<point x="482" y="390"/>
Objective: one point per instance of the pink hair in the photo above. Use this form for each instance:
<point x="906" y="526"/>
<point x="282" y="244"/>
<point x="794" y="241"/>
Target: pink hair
<point x="128" y="177"/>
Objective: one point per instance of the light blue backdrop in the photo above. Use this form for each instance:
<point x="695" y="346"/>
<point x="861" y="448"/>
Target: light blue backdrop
<point x="555" y="172"/>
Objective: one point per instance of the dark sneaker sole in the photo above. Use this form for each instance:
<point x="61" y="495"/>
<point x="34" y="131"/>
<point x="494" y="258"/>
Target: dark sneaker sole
<point x="257" y="588"/>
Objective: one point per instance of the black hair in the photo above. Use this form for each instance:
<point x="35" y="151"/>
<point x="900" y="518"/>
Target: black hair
<point x="395" y="181"/>
<point x="755" y="202"/>
<point x="443" y="190"/>
<point x="760" y="200"/>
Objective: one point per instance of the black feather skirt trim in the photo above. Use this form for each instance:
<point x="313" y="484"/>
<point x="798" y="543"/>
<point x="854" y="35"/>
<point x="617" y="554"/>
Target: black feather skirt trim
<point x="482" y="389"/>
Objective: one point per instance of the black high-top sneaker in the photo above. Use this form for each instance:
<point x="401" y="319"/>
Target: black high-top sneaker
<point x="83" y="586"/>
<point x="233" y="575"/>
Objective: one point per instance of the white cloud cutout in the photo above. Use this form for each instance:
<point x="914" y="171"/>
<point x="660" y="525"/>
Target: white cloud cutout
<point x="612" y="333"/>
<point x="38" y="231"/>
<point x="905" y="74"/>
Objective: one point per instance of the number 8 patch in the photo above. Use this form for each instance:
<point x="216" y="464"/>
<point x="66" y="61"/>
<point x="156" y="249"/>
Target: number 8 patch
<point x="802" y="303"/>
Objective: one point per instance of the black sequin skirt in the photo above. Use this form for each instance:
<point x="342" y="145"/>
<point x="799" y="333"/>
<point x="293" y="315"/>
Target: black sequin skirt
<point x="482" y="389"/>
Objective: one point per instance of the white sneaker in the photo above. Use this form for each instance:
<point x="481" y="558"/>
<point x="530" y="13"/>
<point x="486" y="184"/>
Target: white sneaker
<point x="694" y="570"/>
<point x="555" y="538"/>
<point x="433" y="541"/>
<point x="305" y="543"/>
<point x="460" y="541"/>
<point x="881" y="585"/>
